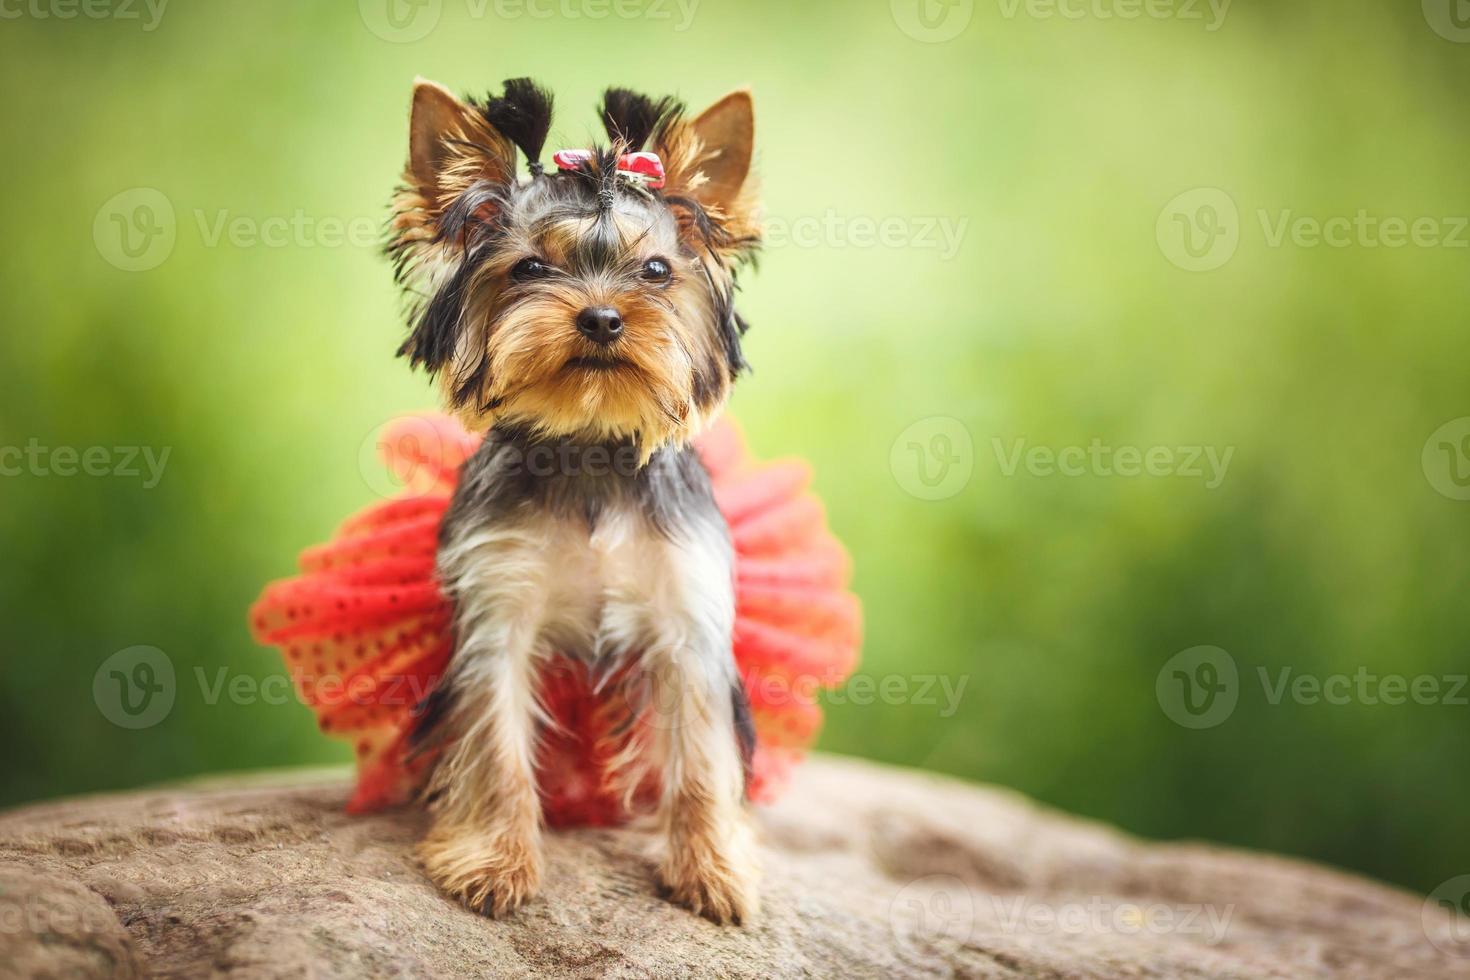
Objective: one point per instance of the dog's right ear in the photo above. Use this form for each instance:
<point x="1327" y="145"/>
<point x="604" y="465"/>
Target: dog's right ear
<point x="460" y="167"/>
<point x="451" y="147"/>
<point x="461" y="174"/>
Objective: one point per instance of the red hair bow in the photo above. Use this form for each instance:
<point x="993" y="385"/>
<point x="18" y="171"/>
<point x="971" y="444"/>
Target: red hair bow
<point x="644" y="167"/>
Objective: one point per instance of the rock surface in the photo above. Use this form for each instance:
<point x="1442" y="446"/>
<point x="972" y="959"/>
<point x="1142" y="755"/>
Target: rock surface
<point x="869" y="872"/>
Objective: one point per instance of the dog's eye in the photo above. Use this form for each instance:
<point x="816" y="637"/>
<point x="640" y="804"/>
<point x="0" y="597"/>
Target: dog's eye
<point x="527" y="269"/>
<point x="657" y="270"/>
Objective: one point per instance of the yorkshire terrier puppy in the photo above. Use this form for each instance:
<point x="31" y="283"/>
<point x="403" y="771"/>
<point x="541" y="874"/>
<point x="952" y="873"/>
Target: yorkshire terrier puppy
<point x="586" y="311"/>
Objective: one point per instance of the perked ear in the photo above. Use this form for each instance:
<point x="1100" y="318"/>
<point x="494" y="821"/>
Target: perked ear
<point x="707" y="161"/>
<point x="451" y="145"/>
<point x="435" y="114"/>
<point x="726" y="132"/>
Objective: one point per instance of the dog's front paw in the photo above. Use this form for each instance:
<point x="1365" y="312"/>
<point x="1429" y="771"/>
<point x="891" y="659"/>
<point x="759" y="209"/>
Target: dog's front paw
<point x="713" y="883"/>
<point x="490" y="875"/>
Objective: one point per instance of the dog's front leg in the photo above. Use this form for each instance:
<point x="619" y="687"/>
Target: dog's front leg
<point x="701" y="727"/>
<point x="711" y="864"/>
<point x="484" y="847"/>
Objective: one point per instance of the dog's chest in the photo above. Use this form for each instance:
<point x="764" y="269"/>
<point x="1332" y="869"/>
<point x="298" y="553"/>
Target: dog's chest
<point x="592" y="591"/>
<point x="597" y="579"/>
<point x="583" y="564"/>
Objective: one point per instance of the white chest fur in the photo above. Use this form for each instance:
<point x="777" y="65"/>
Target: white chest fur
<point x="544" y="583"/>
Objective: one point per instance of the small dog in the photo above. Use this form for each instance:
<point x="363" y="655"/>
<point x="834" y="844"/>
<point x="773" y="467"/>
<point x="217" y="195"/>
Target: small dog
<point x="587" y="312"/>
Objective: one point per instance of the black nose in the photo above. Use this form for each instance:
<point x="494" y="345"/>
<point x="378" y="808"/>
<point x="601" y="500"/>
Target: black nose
<point x="600" y="324"/>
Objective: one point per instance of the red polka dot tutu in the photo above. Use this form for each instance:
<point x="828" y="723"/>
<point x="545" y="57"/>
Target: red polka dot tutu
<point x="366" y="632"/>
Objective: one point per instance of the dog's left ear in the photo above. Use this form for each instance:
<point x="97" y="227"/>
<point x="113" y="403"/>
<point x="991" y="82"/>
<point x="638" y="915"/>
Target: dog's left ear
<point x="707" y="160"/>
<point x="726" y="133"/>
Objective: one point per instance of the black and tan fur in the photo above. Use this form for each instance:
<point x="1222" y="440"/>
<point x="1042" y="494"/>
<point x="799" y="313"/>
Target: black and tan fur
<point x="610" y="548"/>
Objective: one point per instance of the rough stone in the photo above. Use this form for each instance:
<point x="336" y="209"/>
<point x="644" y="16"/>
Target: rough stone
<point x="869" y="872"/>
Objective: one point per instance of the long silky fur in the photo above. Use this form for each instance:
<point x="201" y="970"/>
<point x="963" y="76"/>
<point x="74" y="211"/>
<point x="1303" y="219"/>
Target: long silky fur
<point x="629" y="572"/>
<point x="522" y="115"/>
<point x="632" y="118"/>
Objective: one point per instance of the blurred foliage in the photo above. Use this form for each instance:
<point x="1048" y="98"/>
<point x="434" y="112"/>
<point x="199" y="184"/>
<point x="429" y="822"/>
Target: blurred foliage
<point x="1058" y="320"/>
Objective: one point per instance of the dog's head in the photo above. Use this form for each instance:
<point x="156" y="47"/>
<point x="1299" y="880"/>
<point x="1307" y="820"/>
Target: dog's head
<point x="589" y="300"/>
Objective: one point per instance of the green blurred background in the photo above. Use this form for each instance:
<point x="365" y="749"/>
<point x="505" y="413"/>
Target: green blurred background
<point x="1051" y="146"/>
